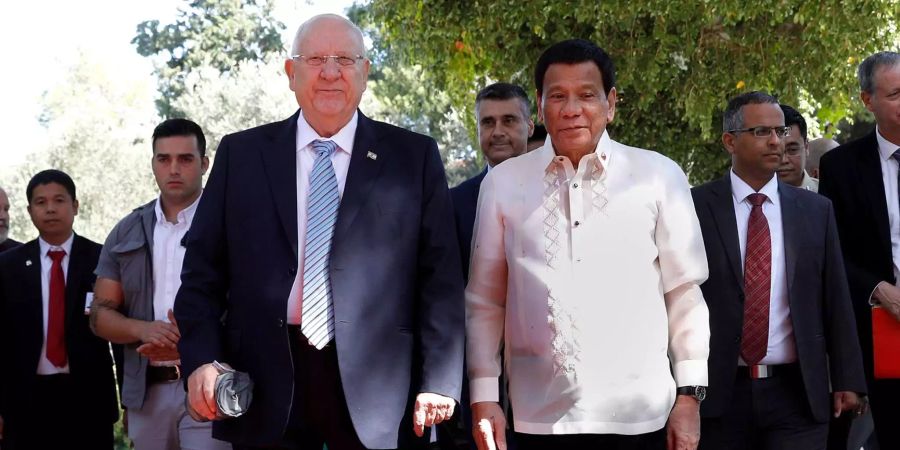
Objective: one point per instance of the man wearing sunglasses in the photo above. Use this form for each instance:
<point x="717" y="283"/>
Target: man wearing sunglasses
<point x="777" y="296"/>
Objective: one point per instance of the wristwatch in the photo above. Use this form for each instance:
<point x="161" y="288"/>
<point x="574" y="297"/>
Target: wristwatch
<point x="698" y="392"/>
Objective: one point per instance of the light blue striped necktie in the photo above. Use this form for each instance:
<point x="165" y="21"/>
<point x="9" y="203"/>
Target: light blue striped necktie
<point x="317" y="320"/>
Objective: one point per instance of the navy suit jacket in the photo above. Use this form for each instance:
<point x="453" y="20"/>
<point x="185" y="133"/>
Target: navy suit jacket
<point x="9" y="244"/>
<point x="817" y="291"/>
<point x="22" y="332"/>
<point x="465" y="205"/>
<point x="394" y="265"/>
<point x="850" y="176"/>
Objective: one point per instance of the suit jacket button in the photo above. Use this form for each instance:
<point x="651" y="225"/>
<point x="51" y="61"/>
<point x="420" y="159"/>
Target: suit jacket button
<point x="737" y="338"/>
<point x="280" y="323"/>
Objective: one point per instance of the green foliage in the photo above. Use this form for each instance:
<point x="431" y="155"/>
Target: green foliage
<point x="677" y="62"/>
<point x="207" y="33"/>
<point x="407" y="95"/>
<point x="99" y="128"/>
<point x="253" y="93"/>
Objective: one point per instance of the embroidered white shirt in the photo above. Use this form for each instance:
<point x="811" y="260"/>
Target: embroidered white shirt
<point x="590" y="277"/>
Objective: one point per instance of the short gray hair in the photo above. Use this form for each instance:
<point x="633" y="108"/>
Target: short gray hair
<point x="733" y="118"/>
<point x="866" y="71"/>
<point x="302" y="30"/>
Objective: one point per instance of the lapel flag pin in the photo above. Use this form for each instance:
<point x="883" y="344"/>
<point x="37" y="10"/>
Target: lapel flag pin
<point x="28" y="263"/>
<point x="371" y="155"/>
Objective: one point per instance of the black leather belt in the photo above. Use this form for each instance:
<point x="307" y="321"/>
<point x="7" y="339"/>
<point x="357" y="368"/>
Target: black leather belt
<point x="162" y="374"/>
<point x="761" y="371"/>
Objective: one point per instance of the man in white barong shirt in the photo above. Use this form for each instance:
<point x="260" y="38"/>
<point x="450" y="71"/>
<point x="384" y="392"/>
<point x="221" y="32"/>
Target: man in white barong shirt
<point x="586" y="263"/>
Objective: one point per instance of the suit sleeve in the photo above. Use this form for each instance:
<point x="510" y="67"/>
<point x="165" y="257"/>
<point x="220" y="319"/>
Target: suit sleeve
<point x="3" y="326"/>
<point x="683" y="265"/>
<point x="843" y="341"/>
<point x="862" y="282"/>
<point x="201" y="301"/>
<point x="441" y="313"/>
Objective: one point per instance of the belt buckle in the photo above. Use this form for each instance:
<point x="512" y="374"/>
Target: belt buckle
<point x="177" y="372"/>
<point x="760" y="371"/>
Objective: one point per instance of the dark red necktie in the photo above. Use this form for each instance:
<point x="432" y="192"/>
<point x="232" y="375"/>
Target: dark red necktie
<point x="56" y="324"/>
<point x="757" y="284"/>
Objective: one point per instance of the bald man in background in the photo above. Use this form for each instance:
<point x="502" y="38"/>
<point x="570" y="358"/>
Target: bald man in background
<point x="817" y="148"/>
<point x="5" y="242"/>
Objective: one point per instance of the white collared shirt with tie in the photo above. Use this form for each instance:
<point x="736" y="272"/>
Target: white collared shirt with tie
<point x="781" y="348"/>
<point x="340" y="159"/>
<point x="45" y="367"/>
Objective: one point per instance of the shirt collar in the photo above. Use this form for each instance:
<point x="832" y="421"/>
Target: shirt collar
<point x="740" y="189"/>
<point x="343" y="138"/>
<point x="886" y="148"/>
<point x="602" y="153"/>
<point x="186" y="215"/>
<point x="46" y="247"/>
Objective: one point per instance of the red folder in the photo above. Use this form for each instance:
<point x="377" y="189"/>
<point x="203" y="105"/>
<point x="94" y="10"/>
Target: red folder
<point x="886" y="343"/>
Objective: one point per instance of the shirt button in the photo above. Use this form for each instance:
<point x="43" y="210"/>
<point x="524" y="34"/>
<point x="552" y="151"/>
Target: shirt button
<point x="577" y="223"/>
<point x="575" y="186"/>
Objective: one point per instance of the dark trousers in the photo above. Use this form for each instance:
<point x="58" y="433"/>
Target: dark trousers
<point x="650" y="441"/>
<point x="884" y="399"/>
<point x="766" y="414"/>
<point x="319" y="415"/>
<point x="56" y="419"/>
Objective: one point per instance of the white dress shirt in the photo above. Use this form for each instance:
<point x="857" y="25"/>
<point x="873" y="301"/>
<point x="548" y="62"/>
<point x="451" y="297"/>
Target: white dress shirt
<point x="306" y="156"/>
<point x="591" y="279"/>
<point x="168" y="257"/>
<point x="889" y="172"/>
<point x="45" y="367"/>
<point x="781" y="349"/>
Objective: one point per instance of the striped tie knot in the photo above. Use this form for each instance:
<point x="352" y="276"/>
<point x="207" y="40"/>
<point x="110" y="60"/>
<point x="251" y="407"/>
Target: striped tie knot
<point x="323" y="148"/>
<point x="757" y="199"/>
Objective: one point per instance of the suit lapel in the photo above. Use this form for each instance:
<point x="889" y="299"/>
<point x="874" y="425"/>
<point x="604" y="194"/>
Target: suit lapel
<point x="793" y="226"/>
<point x="722" y="208"/>
<point x="871" y="179"/>
<point x="365" y="163"/>
<point x="280" y="164"/>
<point x="31" y="271"/>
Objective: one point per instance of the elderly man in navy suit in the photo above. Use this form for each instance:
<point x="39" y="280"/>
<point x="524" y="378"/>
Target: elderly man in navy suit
<point x="323" y="261"/>
<point x="861" y="178"/>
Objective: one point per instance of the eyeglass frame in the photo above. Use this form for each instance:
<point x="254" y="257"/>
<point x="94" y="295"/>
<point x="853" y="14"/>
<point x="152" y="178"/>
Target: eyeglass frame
<point x="356" y="59"/>
<point x="785" y="130"/>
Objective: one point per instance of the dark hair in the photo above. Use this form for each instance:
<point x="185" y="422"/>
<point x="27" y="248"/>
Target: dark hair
<point x="865" y="73"/>
<point x="50" y="176"/>
<point x="733" y="119"/>
<point x="505" y="91"/>
<point x="540" y="134"/>
<point x="180" y="127"/>
<point x="574" y="51"/>
<point x="792" y="117"/>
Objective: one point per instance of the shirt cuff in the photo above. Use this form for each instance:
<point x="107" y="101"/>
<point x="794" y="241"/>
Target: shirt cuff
<point x="486" y="389"/>
<point x="872" y="301"/>
<point x="692" y="372"/>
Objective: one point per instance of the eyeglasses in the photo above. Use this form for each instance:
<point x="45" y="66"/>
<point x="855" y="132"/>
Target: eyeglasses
<point x="319" y="61"/>
<point x="764" y="132"/>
